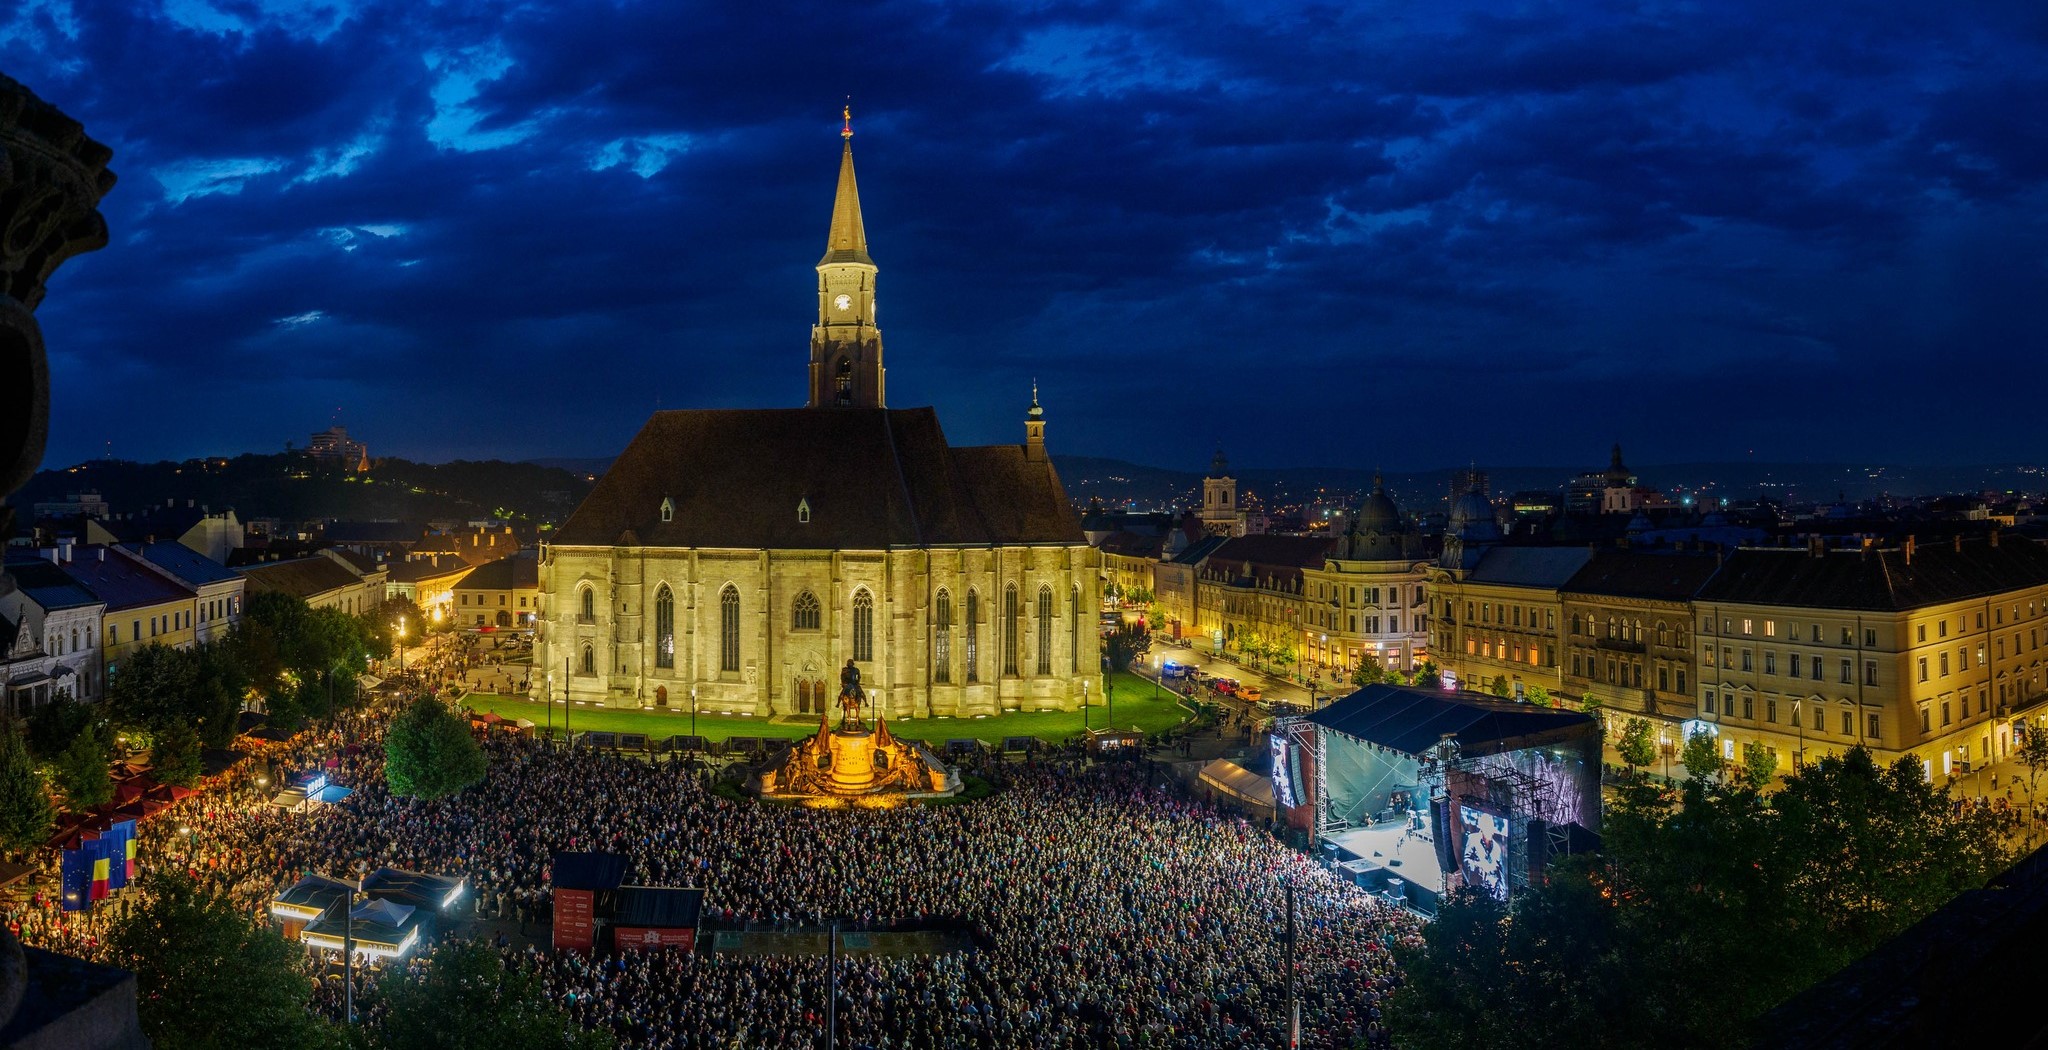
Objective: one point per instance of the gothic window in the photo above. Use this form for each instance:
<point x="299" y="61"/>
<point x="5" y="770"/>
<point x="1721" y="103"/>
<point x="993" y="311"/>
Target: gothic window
<point x="664" y="627"/>
<point x="589" y="660"/>
<point x="1010" y="640"/>
<point x="805" y="614"/>
<point x="863" y="626"/>
<point x="942" y="638"/>
<point x="668" y="509"/>
<point x="843" y="382"/>
<point x="1044" y="629"/>
<point x="589" y="605"/>
<point x="729" y="628"/>
<point x="1074" y="634"/>
<point x="973" y="636"/>
<point x="803" y="512"/>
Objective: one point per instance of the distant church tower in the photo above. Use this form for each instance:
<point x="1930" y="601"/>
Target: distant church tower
<point x="846" y="347"/>
<point x="1219" y="500"/>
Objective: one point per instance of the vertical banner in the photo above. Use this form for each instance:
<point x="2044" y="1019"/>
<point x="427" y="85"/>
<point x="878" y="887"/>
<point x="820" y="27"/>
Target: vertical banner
<point x="75" y="877"/>
<point x="121" y="854"/>
<point x="101" y="851"/>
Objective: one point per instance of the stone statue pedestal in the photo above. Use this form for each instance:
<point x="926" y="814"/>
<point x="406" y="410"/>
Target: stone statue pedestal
<point x="853" y="761"/>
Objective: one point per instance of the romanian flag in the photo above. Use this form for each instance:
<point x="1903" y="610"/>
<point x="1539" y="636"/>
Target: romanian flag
<point x="102" y="866"/>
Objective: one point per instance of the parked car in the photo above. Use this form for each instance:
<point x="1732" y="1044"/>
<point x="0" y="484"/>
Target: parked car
<point x="1174" y="669"/>
<point x="1225" y="686"/>
<point x="1250" y="694"/>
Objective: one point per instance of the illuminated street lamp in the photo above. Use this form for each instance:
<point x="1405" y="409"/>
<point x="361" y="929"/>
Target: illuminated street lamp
<point x="401" y="646"/>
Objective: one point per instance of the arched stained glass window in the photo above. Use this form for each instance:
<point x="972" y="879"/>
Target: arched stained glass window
<point x="729" y="628"/>
<point x="664" y="627"/>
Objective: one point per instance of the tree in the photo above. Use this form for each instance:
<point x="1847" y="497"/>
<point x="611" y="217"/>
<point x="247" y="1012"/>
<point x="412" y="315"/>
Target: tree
<point x="1428" y="676"/>
<point x="1122" y="648"/>
<point x="208" y="977"/>
<point x="1638" y="746"/>
<point x="152" y="687"/>
<point x="1370" y="671"/>
<point x="53" y="726"/>
<point x="1701" y="756"/>
<point x="1846" y="855"/>
<point x="1590" y="703"/>
<point x="175" y="756"/>
<point x="1539" y="696"/>
<point x="2033" y="754"/>
<point x="1499" y="686"/>
<point x="468" y="999"/>
<point x="25" y="810"/>
<point x="1759" y="765"/>
<point x="82" y="771"/>
<point x="429" y="753"/>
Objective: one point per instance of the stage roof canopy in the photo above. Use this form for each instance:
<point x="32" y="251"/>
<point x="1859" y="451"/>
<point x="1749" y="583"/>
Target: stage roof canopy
<point x="1412" y="720"/>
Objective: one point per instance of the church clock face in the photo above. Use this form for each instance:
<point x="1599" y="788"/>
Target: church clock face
<point x="843" y="301"/>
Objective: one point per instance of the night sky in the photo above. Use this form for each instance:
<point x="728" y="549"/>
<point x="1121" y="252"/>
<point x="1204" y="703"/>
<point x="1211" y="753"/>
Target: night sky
<point x="1324" y="234"/>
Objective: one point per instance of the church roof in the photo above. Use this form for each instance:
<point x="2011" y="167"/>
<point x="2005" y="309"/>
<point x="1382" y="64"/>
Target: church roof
<point x="848" y="240"/>
<point x="868" y="478"/>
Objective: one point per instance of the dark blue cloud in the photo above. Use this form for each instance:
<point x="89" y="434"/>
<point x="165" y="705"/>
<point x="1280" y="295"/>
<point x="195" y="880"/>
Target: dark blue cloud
<point x="1334" y="233"/>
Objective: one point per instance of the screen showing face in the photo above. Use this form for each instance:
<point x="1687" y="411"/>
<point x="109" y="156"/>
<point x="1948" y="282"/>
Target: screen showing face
<point x="1283" y="784"/>
<point x="1483" y="851"/>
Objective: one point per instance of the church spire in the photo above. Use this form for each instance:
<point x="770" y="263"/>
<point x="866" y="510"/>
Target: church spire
<point x="848" y="240"/>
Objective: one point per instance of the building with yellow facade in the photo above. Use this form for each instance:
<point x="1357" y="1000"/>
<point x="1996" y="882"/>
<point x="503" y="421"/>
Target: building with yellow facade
<point x="502" y="593"/>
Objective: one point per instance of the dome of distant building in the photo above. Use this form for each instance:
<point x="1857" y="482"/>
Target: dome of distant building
<point x="1376" y="531"/>
<point x="1472" y="517"/>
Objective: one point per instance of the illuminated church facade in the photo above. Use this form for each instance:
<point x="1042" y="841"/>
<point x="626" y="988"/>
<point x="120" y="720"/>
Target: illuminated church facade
<point x="745" y="555"/>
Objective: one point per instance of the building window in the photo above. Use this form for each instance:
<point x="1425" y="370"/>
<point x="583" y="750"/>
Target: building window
<point x="805" y="614"/>
<point x="1074" y="635"/>
<point x="1749" y="708"/>
<point x="1795" y="665"/>
<point x="1924" y="727"/>
<point x="1820" y="719"/>
<point x="1681" y="680"/>
<point x="1044" y="629"/>
<point x="973" y="636"/>
<point x="1923" y="668"/>
<point x="664" y="627"/>
<point x="1945" y="719"/>
<point x="863" y="626"/>
<point x="942" y="638"/>
<point x="589" y="605"/>
<point x="589" y="660"/>
<point x="1748" y="660"/>
<point x="729" y="629"/>
<point x="1817" y="662"/>
<point x="1870" y="638"/>
<point x="1848" y="723"/>
<point x="668" y="509"/>
<point x="1010" y="641"/>
<point x="1943" y="657"/>
<point x="1770" y="663"/>
<point x="1771" y="711"/>
<point x="1728" y="704"/>
<point x="1873" y="734"/>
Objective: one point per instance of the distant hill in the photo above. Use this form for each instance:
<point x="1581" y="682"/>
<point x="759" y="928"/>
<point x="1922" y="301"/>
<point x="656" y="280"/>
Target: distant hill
<point x="1117" y="481"/>
<point x="294" y="488"/>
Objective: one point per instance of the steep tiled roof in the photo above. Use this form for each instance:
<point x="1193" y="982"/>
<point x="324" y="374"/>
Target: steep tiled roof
<point x="505" y="574"/>
<point x="1530" y="566"/>
<point x="183" y="562"/>
<point x="48" y="586"/>
<point x="121" y="580"/>
<point x="870" y="478"/>
<point x="300" y="577"/>
<point x="413" y="570"/>
<point x="1883" y="580"/>
<point x="1639" y="574"/>
<point x="360" y="564"/>
<point x="1291" y="552"/>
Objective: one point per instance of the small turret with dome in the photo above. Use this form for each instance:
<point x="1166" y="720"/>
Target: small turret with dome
<point x="1377" y="531"/>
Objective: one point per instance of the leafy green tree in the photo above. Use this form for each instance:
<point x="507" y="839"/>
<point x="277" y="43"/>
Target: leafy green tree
<point x="175" y="756"/>
<point x="2033" y="754"/>
<point x="1499" y="686"/>
<point x="429" y="752"/>
<point x="1122" y="647"/>
<point x="1701" y="755"/>
<point x="1590" y="703"/>
<point x="468" y="1000"/>
<point x="53" y="726"/>
<point x="1638" y="745"/>
<point x="151" y="687"/>
<point x="1370" y="671"/>
<point x="208" y="977"/>
<point x="1429" y="676"/>
<point x="1759" y="765"/>
<point x="1846" y="855"/>
<point x="82" y="771"/>
<point x="1539" y="696"/>
<point x="25" y="810"/>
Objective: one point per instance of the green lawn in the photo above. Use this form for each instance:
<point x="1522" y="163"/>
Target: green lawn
<point x="1135" y="708"/>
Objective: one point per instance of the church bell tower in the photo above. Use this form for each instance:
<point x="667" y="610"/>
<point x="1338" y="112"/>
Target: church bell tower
<point x="846" y="347"/>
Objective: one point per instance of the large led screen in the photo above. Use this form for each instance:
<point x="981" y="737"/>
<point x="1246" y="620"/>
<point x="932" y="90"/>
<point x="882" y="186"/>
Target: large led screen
<point x="1483" y="850"/>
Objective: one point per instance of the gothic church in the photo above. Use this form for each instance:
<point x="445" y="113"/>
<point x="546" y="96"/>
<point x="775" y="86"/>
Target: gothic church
<point x="745" y="555"/>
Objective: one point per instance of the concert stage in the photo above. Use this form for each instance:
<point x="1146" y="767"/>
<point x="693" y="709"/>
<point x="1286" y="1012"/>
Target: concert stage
<point x="1491" y="789"/>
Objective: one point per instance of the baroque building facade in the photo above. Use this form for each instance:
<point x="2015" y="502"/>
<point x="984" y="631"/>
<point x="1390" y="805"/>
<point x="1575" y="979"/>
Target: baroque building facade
<point x="736" y="560"/>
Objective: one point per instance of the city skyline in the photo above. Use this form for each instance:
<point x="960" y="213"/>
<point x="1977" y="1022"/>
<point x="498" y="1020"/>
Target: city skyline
<point x="1699" y="235"/>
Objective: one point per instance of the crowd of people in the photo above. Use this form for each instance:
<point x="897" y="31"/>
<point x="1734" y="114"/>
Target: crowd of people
<point x="1112" y="908"/>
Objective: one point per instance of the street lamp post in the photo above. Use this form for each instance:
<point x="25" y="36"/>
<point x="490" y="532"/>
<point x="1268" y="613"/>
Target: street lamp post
<point x="401" y="647"/>
<point x="693" y="718"/>
<point x="1085" y="683"/>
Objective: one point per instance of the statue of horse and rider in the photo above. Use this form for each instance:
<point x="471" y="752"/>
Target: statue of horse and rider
<point x="851" y="699"/>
